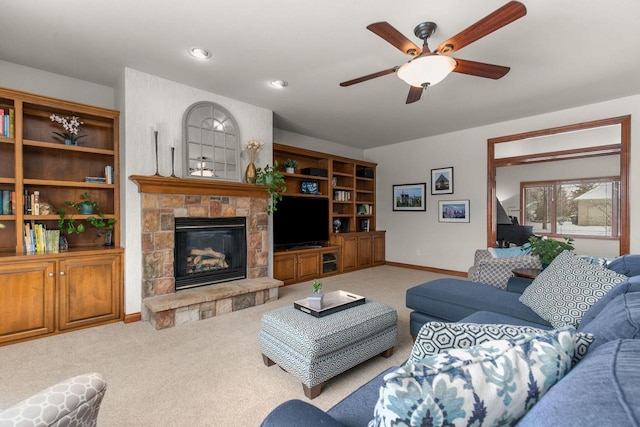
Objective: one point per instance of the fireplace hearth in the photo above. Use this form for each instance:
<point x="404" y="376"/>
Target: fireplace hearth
<point x="209" y="251"/>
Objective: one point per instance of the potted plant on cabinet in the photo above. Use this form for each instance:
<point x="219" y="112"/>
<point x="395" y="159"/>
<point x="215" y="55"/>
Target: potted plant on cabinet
<point x="317" y="297"/>
<point x="290" y="165"/>
<point x="273" y="181"/>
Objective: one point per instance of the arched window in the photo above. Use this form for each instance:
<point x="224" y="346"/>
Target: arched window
<point x="211" y="143"/>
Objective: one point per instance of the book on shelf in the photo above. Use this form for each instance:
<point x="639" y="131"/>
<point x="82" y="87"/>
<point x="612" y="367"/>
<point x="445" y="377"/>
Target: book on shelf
<point x="95" y="179"/>
<point x="6" y="202"/>
<point x="108" y="174"/>
<point x="7" y="122"/>
<point x="39" y="240"/>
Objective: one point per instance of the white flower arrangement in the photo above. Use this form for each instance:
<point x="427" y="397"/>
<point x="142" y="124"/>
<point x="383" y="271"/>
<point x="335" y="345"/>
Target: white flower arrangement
<point x="253" y="148"/>
<point x="71" y="125"/>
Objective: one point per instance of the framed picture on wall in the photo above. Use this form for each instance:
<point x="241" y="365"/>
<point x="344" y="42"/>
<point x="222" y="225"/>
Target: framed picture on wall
<point x="453" y="211"/>
<point x="442" y="181"/>
<point x="409" y="197"/>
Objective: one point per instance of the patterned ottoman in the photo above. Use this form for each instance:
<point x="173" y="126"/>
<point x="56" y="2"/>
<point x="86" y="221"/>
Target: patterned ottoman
<point x="315" y="349"/>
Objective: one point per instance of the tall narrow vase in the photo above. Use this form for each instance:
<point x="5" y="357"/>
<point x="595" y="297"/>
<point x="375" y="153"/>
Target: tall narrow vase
<point x="250" y="174"/>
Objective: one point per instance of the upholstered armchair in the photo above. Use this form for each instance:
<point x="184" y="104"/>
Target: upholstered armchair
<point x="74" y="402"/>
<point x="497" y="271"/>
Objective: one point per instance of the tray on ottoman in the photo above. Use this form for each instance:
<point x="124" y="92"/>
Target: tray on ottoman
<point x="333" y="303"/>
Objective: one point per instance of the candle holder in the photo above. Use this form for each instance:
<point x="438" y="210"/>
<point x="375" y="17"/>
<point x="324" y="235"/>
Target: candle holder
<point x="173" y="175"/>
<point x="156" y="137"/>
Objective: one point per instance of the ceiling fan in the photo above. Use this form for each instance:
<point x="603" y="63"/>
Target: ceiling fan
<point x="427" y="68"/>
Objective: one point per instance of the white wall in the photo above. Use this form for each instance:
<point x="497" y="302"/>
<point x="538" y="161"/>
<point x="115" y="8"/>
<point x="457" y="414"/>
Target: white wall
<point x="302" y="141"/>
<point x="148" y="103"/>
<point x="452" y="245"/>
<point x="18" y="77"/>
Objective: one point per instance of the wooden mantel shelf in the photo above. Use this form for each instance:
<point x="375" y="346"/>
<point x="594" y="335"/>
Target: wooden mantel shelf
<point x="167" y="185"/>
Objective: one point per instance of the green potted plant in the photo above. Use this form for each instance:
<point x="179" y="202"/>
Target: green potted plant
<point x="273" y="181"/>
<point x="547" y="249"/>
<point x="86" y="206"/>
<point x="317" y="297"/>
<point x="290" y="165"/>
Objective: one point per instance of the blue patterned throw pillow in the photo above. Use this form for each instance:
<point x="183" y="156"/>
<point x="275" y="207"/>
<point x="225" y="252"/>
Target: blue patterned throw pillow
<point x="564" y="291"/>
<point x="494" y="383"/>
<point x="436" y="337"/>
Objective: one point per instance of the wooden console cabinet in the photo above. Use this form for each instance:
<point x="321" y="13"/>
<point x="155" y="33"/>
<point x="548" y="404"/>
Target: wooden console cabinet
<point x="299" y="265"/>
<point x="360" y="250"/>
<point x="43" y="292"/>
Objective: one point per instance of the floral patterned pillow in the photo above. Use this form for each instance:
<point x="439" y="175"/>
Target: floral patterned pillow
<point x="494" y="383"/>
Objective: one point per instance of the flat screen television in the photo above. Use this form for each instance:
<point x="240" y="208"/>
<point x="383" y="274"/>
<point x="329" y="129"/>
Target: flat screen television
<point x="300" y="221"/>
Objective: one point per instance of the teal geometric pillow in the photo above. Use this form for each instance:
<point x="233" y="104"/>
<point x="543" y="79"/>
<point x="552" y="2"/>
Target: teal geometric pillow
<point x="436" y="337"/>
<point x="494" y="383"/>
<point x="564" y="291"/>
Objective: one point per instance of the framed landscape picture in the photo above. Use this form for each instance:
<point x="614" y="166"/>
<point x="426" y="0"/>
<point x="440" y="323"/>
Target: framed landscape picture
<point x="453" y="211"/>
<point x="442" y="181"/>
<point x="409" y="197"/>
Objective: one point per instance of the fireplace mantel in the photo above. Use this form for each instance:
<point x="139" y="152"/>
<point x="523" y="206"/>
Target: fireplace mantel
<point x="168" y="185"/>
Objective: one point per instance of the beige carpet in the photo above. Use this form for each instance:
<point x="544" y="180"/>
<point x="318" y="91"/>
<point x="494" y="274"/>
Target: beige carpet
<point x="206" y="373"/>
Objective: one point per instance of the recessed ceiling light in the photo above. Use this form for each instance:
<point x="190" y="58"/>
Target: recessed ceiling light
<point x="278" y="83"/>
<point x="199" y="53"/>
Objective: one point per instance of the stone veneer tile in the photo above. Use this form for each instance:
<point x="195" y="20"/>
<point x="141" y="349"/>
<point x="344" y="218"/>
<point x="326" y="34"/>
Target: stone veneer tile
<point x="186" y="315"/>
<point x="224" y="306"/>
<point x="228" y="210"/>
<point x="198" y="211"/>
<point x="167" y="221"/>
<point x="165" y="286"/>
<point x="215" y="208"/>
<point x="172" y="200"/>
<point x="150" y="220"/>
<point x="240" y="302"/>
<point x="163" y="240"/>
<point x="193" y="199"/>
<point x="147" y="242"/>
<point x="163" y="319"/>
<point x="149" y="201"/>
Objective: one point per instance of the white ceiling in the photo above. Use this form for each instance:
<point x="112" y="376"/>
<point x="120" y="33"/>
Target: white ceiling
<point x="563" y="53"/>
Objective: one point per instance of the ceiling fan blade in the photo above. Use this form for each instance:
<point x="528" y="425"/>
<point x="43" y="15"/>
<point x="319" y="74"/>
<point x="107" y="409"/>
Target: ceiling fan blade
<point x="414" y="94"/>
<point x="490" y="23"/>
<point x="480" y="69"/>
<point x="393" y="36"/>
<point x="369" y="77"/>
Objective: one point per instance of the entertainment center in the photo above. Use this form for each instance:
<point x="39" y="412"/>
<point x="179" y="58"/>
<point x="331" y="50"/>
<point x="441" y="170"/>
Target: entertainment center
<point x="330" y="230"/>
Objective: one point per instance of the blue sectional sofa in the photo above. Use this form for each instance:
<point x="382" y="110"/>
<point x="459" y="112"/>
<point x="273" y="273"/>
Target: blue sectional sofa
<point x="601" y="389"/>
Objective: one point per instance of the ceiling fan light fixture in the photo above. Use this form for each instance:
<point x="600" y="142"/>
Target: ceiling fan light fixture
<point x="426" y="70"/>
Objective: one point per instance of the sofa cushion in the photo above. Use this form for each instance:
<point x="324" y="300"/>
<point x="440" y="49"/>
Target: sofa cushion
<point x="629" y="265"/>
<point x="436" y="337"/>
<point x="602" y="390"/>
<point x="563" y="292"/>
<point x="490" y="318"/>
<point x="509" y="252"/>
<point x="489" y="384"/>
<point x="620" y="319"/>
<point x="454" y="299"/>
<point x="630" y="285"/>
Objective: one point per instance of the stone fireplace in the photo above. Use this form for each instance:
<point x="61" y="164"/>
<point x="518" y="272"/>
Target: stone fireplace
<point x="167" y="201"/>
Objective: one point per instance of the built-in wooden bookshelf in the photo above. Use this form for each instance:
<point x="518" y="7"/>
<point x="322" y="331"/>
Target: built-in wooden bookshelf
<point x="82" y="286"/>
<point x="350" y="187"/>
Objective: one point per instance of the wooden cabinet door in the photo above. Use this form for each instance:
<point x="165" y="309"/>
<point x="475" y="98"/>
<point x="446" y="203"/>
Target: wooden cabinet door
<point x="378" y="249"/>
<point x="89" y="290"/>
<point x="364" y="251"/>
<point x="349" y="253"/>
<point x="27" y="298"/>
<point x="284" y="267"/>
<point x="308" y="266"/>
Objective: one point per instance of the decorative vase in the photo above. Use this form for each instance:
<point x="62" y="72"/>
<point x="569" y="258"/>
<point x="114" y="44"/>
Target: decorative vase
<point x="250" y="174"/>
<point x="108" y="238"/>
<point x="290" y="170"/>
<point x="315" y="301"/>
<point x="70" y="142"/>
<point x="86" y="209"/>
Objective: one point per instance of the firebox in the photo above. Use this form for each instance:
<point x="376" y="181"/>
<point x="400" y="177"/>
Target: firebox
<point x="209" y="251"/>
